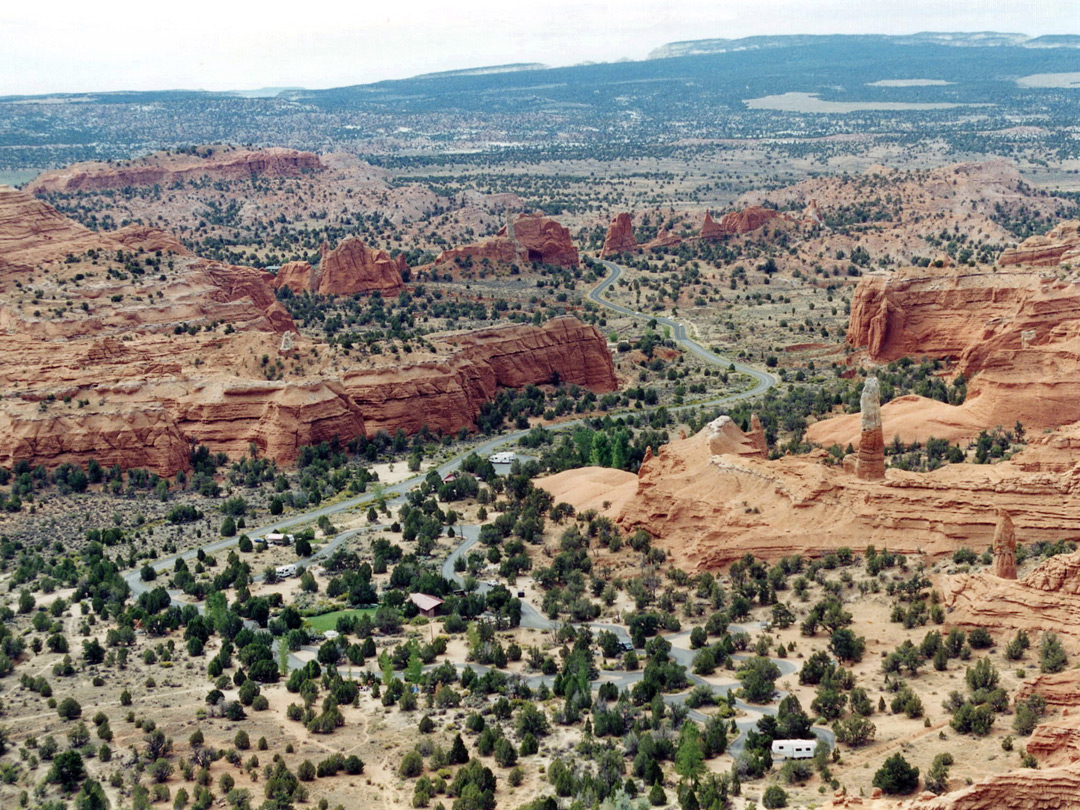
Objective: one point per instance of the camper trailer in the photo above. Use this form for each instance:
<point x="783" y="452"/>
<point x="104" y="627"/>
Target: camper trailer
<point x="506" y="457"/>
<point x="793" y="749"/>
<point x="286" y="571"/>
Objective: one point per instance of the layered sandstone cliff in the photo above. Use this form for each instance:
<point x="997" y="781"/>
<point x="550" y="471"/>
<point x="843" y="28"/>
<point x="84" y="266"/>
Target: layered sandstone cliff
<point x="135" y="368"/>
<point x="707" y="510"/>
<point x="1014" y="333"/>
<point x="225" y="163"/>
<point x="1059" y="245"/>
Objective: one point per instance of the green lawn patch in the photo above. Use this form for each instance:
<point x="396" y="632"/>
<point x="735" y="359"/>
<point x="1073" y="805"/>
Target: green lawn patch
<point x="328" y="621"/>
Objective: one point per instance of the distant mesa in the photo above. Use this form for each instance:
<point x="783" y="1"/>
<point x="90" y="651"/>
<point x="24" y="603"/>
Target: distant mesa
<point x="161" y="168"/>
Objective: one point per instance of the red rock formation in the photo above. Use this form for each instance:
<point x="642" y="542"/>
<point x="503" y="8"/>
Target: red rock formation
<point x="1047" y="597"/>
<point x="222" y="163"/>
<point x="33" y="232"/>
<point x="544" y="240"/>
<point x="870" y="465"/>
<point x="663" y="238"/>
<point x="446" y="395"/>
<point x="1014" y="333"/>
<point x="812" y="214"/>
<point x="529" y="238"/>
<point x="354" y="267"/>
<point x="725" y="438"/>
<point x="150" y="239"/>
<point x="1057" y="246"/>
<point x="351" y="267"/>
<point x="297" y="276"/>
<point x="735" y="223"/>
<point x="1004" y="547"/>
<point x="757" y="436"/>
<point x="710" y="510"/>
<point x="620" y="237"/>
<point x="1050" y="788"/>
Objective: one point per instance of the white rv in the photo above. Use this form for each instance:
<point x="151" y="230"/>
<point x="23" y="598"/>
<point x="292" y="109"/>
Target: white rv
<point x="506" y="457"/>
<point x="286" y="571"/>
<point x="793" y="749"/>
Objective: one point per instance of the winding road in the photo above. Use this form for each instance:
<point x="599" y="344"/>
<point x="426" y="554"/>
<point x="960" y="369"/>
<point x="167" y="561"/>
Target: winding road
<point x="531" y="617"/>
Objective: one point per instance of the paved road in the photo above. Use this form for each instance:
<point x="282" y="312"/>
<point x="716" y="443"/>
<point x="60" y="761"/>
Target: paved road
<point x="530" y="617"/>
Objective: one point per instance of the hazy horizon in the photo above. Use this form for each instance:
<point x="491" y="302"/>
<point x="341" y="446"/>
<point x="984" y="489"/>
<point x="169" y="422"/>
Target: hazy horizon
<point x="128" y="46"/>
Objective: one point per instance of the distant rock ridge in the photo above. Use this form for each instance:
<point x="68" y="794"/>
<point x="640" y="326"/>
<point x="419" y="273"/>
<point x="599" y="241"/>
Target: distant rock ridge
<point x="222" y="163"/>
<point x="735" y="223"/>
<point x="1060" y="245"/>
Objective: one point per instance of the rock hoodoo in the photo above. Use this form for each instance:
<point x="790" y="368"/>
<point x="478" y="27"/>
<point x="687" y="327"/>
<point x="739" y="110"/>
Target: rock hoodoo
<point x="870" y="465"/>
<point x="757" y="436"/>
<point x="620" y="237"/>
<point x="1004" y="547"/>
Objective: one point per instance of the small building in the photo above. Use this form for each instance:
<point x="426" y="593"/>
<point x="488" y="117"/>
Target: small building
<point x="279" y="539"/>
<point x="428" y="605"/>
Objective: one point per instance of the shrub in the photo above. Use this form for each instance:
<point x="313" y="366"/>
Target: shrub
<point x="896" y="776"/>
<point x="774" y="796"/>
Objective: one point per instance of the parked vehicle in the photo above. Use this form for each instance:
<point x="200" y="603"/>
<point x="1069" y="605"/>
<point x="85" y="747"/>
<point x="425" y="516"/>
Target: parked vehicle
<point x="793" y="749"/>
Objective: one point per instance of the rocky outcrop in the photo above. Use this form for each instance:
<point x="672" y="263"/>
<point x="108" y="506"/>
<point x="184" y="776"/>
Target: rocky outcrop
<point x="149" y="238"/>
<point x="1015" y="334"/>
<point x="707" y="510"/>
<point x="446" y="395"/>
<point x="352" y="267"/>
<point x="725" y="438"/>
<point x="297" y="276"/>
<point x="1004" y="547"/>
<point x="1050" y="788"/>
<point x="528" y="238"/>
<point x="756" y="436"/>
<point x="1060" y="245"/>
<point x="1048" y="597"/>
<point x="219" y="163"/>
<point x="33" y="233"/>
<point x="736" y="223"/>
<point x="869" y="462"/>
<point x="620" y="237"/>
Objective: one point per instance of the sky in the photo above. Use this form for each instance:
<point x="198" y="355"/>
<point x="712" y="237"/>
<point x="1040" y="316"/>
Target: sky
<point x="70" y="47"/>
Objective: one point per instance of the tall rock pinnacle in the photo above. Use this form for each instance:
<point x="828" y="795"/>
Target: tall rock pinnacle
<point x="1004" y="547"/>
<point x="871" y="463"/>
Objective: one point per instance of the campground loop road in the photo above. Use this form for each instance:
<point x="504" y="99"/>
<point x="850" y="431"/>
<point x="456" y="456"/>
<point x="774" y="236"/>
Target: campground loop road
<point x="395" y="494"/>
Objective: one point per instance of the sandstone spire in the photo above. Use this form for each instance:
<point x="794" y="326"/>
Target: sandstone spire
<point x="871" y="463"/>
<point x="1004" y="547"/>
<point x="756" y="435"/>
<point x="620" y="237"/>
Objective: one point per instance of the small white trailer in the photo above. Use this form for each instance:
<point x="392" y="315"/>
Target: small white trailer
<point x="505" y="457"/>
<point x="793" y="749"/>
<point x="286" y="571"/>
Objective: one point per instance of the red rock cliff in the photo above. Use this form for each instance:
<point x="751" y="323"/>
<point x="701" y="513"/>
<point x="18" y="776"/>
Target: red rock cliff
<point x="529" y="238"/>
<point x="221" y="163"/>
<point x="620" y="237"/>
